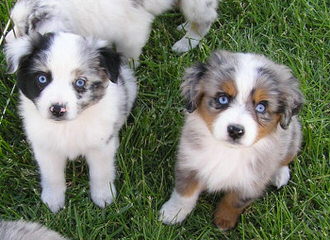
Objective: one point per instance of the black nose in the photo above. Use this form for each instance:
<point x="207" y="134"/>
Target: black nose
<point x="57" y="110"/>
<point x="235" y="131"/>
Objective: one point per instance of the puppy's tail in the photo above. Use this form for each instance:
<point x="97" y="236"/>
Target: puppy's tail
<point x="157" y="7"/>
<point x="26" y="230"/>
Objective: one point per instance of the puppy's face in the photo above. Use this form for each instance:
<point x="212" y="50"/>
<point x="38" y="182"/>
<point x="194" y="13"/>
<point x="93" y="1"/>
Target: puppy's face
<point x="62" y="73"/>
<point x="241" y="97"/>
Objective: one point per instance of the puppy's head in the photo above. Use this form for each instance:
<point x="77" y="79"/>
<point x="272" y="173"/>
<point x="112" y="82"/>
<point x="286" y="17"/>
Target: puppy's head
<point x="62" y="73"/>
<point x="241" y="97"/>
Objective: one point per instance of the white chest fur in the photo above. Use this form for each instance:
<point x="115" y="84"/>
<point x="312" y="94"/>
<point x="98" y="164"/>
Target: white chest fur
<point x="223" y="167"/>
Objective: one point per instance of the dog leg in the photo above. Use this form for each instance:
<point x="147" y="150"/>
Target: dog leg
<point x="281" y="177"/>
<point x="195" y="33"/>
<point x="52" y="168"/>
<point x="131" y="47"/>
<point x="184" y="26"/>
<point x="182" y="201"/>
<point x="200" y="15"/>
<point x="102" y="173"/>
<point x="229" y="209"/>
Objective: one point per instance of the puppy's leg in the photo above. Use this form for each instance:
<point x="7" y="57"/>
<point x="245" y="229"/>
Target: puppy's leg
<point x="131" y="47"/>
<point x="282" y="175"/>
<point x="200" y="15"/>
<point x="52" y="168"/>
<point x="102" y="173"/>
<point x="183" y="198"/>
<point x="184" y="26"/>
<point x="229" y="209"/>
<point x="131" y="55"/>
<point x="195" y="33"/>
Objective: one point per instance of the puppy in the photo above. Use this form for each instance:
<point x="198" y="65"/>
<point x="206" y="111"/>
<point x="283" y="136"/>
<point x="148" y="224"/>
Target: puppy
<point x="240" y="134"/>
<point x="10" y="230"/>
<point x="74" y="97"/>
<point x="125" y="23"/>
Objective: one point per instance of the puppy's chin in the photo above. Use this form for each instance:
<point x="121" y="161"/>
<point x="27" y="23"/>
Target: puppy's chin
<point x="60" y="119"/>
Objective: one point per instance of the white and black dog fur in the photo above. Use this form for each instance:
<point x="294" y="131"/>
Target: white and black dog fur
<point x="125" y="23"/>
<point x="21" y="230"/>
<point x="74" y="97"/>
<point x="240" y="134"/>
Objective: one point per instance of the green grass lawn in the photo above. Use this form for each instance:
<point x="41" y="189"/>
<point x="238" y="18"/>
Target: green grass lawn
<point x="295" y="33"/>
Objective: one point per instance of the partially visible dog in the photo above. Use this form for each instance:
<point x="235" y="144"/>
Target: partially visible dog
<point x="126" y="23"/>
<point x="75" y="95"/>
<point x="240" y="134"/>
<point x="21" y="230"/>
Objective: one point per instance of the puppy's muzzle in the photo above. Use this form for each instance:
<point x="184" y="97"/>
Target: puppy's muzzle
<point x="58" y="110"/>
<point x="235" y="131"/>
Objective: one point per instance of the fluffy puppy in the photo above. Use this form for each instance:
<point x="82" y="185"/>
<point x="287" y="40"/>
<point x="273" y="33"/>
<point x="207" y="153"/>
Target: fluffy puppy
<point x="14" y="230"/>
<point x="240" y="134"/>
<point x="126" y="23"/>
<point x="74" y="97"/>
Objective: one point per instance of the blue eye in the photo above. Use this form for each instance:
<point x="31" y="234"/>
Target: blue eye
<point x="261" y="107"/>
<point x="223" y="100"/>
<point x="80" y="83"/>
<point x="42" y="79"/>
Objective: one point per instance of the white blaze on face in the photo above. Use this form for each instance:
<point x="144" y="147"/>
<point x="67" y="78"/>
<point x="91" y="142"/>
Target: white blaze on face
<point x="63" y="59"/>
<point x="238" y="112"/>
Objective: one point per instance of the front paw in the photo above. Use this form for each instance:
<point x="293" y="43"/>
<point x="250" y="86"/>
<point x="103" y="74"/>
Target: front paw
<point x="184" y="45"/>
<point x="172" y="213"/>
<point x="281" y="177"/>
<point x="225" y="223"/>
<point x="103" y="196"/>
<point x="183" y="26"/>
<point x="54" y="199"/>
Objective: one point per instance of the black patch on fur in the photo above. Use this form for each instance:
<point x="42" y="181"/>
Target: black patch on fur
<point x="290" y="99"/>
<point x="37" y="20"/>
<point x="97" y="90"/>
<point x="111" y="62"/>
<point x="268" y="73"/>
<point x="96" y="85"/>
<point x="26" y="76"/>
<point x="190" y="91"/>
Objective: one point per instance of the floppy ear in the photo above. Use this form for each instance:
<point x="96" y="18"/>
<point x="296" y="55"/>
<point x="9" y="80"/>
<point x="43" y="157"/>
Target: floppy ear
<point x="110" y="61"/>
<point x="291" y="101"/>
<point x="191" y="87"/>
<point x="15" y="50"/>
<point x="19" y="48"/>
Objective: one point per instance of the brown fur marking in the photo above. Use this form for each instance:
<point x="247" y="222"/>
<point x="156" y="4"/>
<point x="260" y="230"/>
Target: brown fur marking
<point x="229" y="209"/>
<point x="265" y="129"/>
<point x="229" y="87"/>
<point x="259" y="95"/>
<point x="206" y="111"/>
<point x="289" y="158"/>
<point x="186" y="184"/>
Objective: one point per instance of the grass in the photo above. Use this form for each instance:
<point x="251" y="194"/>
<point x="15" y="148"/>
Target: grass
<point x="295" y="33"/>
